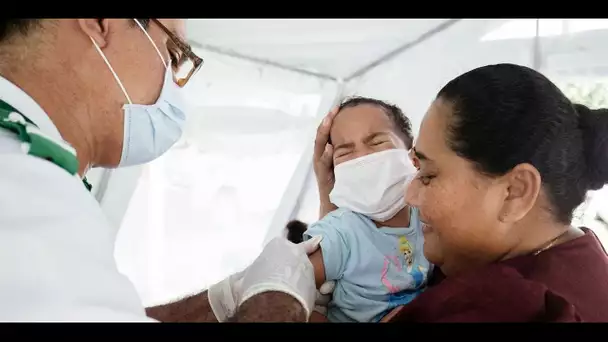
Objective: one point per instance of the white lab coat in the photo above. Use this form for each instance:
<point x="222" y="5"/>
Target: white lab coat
<point x="56" y="246"/>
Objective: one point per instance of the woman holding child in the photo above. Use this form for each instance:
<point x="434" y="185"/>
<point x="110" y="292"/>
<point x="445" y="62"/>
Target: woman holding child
<point x="503" y="158"/>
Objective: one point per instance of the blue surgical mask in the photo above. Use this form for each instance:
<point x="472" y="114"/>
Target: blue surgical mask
<point x="150" y="130"/>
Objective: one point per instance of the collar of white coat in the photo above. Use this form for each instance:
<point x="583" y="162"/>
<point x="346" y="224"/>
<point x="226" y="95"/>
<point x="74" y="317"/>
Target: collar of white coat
<point x="21" y="101"/>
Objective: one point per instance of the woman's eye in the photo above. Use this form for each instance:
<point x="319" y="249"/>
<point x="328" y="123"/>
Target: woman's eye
<point x="425" y="180"/>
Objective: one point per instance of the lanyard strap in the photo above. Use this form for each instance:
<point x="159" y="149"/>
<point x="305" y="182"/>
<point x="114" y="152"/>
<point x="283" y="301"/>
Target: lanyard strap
<point x="35" y="143"/>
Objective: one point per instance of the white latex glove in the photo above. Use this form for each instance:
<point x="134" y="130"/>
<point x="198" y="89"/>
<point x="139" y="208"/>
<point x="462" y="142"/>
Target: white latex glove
<point x="324" y="297"/>
<point x="223" y="296"/>
<point x="283" y="266"/>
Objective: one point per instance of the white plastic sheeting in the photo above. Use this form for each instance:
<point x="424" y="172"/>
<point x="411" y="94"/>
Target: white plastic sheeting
<point x="204" y="209"/>
<point x="332" y="47"/>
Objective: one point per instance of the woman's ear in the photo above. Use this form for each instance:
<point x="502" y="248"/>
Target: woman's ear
<point x="97" y="29"/>
<point x="523" y="187"/>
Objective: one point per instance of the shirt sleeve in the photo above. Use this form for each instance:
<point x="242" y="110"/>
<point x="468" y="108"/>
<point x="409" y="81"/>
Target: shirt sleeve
<point x="334" y="246"/>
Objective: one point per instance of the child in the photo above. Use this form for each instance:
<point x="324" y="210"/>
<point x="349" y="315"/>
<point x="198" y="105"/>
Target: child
<point x="372" y="244"/>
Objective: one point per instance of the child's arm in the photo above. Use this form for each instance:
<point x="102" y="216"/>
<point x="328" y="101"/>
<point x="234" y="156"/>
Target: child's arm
<point x="330" y="260"/>
<point x="316" y="259"/>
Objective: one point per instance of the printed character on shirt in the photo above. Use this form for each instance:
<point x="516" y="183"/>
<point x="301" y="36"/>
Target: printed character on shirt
<point x="376" y="269"/>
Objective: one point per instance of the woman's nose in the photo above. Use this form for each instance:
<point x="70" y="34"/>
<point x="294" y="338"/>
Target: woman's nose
<point x="411" y="191"/>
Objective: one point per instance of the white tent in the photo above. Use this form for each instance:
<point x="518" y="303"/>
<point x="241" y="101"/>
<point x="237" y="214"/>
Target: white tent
<point x="243" y="168"/>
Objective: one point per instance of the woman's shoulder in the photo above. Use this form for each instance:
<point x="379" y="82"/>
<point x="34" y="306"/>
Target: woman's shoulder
<point x="495" y="293"/>
<point x="549" y="287"/>
<point x="577" y="270"/>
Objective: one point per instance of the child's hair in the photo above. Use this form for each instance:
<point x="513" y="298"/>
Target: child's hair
<point x="400" y="120"/>
<point x="295" y="231"/>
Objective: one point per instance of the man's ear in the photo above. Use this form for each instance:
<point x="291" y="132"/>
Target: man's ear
<point x="523" y="187"/>
<point x="97" y="29"/>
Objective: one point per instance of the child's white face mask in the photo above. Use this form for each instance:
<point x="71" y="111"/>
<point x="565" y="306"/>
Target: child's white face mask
<point x="373" y="185"/>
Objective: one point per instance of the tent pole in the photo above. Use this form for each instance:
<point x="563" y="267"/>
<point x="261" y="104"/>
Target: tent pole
<point x="536" y="49"/>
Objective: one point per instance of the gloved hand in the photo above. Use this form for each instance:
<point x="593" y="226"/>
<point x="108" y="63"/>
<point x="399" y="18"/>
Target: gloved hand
<point x="324" y="297"/>
<point x="282" y="266"/>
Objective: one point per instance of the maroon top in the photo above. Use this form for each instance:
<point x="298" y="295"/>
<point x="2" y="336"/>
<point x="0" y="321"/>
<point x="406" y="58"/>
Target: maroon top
<point x="566" y="283"/>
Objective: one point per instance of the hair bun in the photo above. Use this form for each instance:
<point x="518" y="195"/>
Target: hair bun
<point x="594" y="126"/>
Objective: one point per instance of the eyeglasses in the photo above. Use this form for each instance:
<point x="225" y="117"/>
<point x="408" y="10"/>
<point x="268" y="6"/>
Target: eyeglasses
<point x="187" y="63"/>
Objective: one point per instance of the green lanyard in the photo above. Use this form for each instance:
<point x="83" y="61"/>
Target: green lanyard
<point x="38" y="144"/>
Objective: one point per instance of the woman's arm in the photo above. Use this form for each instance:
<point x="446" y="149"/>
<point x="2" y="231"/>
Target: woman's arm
<point x="323" y="164"/>
<point x="326" y="206"/>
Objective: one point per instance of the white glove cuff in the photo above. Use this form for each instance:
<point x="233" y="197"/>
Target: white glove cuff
<point x="267" y="287"/>
<point x="221" y="300"/>
<point x="321" y="309"/>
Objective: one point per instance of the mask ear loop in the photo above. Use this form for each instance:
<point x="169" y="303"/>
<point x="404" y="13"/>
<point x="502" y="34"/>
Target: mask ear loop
<point x="153" y="44"/>
<point x="111" y="70"/>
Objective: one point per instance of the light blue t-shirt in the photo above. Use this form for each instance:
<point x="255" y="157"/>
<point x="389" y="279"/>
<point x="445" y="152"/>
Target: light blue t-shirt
<point x="376" y="269"/>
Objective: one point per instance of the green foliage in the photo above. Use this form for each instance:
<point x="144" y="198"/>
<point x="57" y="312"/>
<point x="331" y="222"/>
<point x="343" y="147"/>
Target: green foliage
<point x="592" y="94"/>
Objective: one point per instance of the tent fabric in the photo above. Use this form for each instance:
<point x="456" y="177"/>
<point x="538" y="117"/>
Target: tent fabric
<point x="332" y="47"/>
<point x="243" y="167"/>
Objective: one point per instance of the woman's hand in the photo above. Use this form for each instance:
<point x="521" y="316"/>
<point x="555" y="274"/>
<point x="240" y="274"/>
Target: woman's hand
<point x="323" y="164"/>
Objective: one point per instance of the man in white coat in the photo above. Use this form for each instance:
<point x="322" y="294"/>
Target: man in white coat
<point x="81" y="93"/>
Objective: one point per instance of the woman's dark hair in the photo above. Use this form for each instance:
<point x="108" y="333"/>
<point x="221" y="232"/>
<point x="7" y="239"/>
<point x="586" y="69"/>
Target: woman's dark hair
<point x="401" y="122"/>
<point x="506" y="114"/>
<point x="295" y="231"/>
